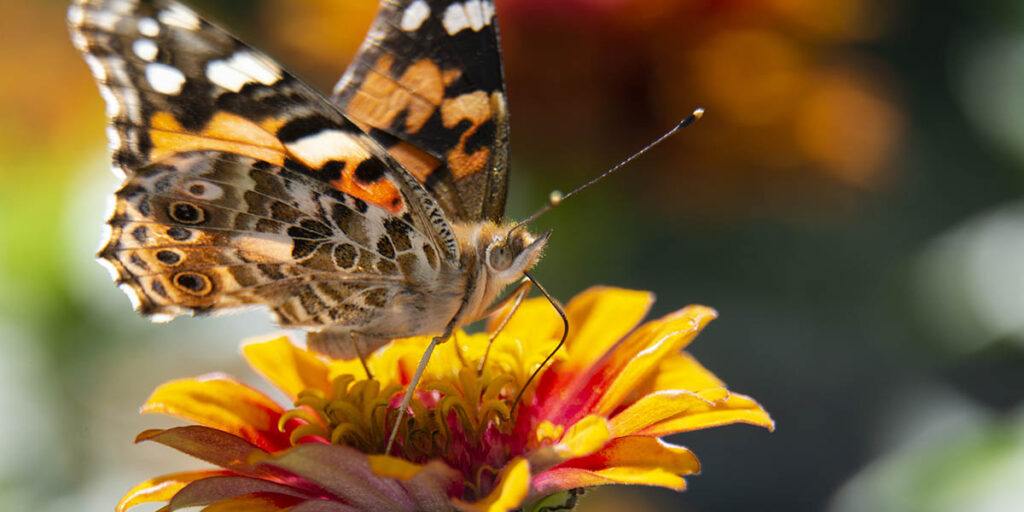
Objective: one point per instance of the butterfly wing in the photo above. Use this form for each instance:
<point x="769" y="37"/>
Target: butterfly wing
<point x="428" y="85"/>
<point x="193" y="110"/>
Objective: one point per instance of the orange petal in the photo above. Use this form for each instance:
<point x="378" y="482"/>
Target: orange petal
<point x="163" y="488"/>
<point x="640" y="354"/>
<point x="660" y="406"/>
<point x="736" y="408"/>
<point x="220" y="402"/>
<point x="510" y="490"/>
<point x="288" y="367"/>
<point x="640" y="452"/>
<point x="599" y="317"/>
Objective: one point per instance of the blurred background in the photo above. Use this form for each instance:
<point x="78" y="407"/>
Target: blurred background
<point x="851" y="204"/>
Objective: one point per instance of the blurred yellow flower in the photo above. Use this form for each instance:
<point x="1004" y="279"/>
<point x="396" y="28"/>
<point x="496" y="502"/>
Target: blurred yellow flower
<point x="593" y="416"/>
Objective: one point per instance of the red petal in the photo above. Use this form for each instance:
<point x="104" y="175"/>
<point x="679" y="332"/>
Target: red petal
<point x="213" y="446"/>
<point x="211" y="490"/>
<point x="345" y="473"/>
<point x="257" y="502"/>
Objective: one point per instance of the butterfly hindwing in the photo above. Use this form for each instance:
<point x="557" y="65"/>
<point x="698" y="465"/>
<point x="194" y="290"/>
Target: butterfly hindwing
<point x="208" y="230"/>
<point x="429" y="85"/>
<point x="186" y="99"/>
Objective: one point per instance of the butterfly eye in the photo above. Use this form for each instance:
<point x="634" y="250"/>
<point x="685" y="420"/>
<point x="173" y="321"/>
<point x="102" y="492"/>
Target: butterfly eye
<point x="500" y="256"/>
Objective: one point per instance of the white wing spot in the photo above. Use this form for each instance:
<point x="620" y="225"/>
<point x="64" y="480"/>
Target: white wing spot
<point x="178" y="16"/>
<point x="104" y="20"/>
<point x="146" y="49"/>
<point x="97" y="67"/>
<point x="455" y="19"/>
<point x="415" y="15"/>
<point x="473" y="14"/>
<point x="111" y="101"/>
<point x="122" y="7"/>
<point x="317" y="149"/>
<point x="200" y="189"/>
<point x="149" y="27"/>
<point x="79" y="41"/>
<point x="243" y="67"/>
<point x="76" y="15"/>
<point x="114" y="137"/>
<point x="256" y="66"/>
<point x="164" y="79"/>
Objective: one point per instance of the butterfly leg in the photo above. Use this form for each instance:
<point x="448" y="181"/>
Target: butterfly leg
<point x="516" y="297"/>
<point x="416" y="380"/>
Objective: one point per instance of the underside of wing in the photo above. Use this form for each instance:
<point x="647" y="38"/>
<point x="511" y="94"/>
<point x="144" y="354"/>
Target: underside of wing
<point x="208" y="231"/>
<point x="428" y="85"/>
<point x="174" y="83"/>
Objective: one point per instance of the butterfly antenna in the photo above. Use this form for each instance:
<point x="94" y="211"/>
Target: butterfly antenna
<point x="565" y="333"/>
<point x="556" y="198"/>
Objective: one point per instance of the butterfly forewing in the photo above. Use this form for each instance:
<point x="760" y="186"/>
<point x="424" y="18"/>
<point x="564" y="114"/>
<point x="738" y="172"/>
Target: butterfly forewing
<point x="428" y="82"/>
<point x="244" y="185"/>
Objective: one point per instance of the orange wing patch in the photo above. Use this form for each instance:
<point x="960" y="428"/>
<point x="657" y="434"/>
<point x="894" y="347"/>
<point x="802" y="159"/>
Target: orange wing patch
<point x="476" y="107"/>
<point x="419" y="163"/>
<point x="418" y="92"/>
<point x="381" y="192"/>
<point x="224" y="132"/>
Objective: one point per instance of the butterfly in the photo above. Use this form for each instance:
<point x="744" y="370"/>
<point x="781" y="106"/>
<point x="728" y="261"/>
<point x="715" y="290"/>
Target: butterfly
<point x="372" y="215"/>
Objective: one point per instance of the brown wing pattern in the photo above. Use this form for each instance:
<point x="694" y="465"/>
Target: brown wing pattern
<point x="207" y="231"/>
<point x="428" y="85"/>
<point x="174" y="82"/>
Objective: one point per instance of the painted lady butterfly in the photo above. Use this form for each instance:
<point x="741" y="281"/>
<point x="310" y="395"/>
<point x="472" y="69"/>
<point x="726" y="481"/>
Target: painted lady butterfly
<point x="374" y="215"/>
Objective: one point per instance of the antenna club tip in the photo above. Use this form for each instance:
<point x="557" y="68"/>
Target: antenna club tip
<point x="555" y="198"/>
<point x="697" y="114"/>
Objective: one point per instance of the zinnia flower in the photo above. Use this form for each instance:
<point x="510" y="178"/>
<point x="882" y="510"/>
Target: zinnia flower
<point x="594" y="415"/>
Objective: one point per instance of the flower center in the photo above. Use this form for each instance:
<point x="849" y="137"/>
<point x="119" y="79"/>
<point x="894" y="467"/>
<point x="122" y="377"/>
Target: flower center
<point x="459" y="415"/>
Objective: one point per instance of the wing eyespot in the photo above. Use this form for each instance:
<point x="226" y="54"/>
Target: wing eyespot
<point x="186" y="213"/>
<point x="193" y="283"/>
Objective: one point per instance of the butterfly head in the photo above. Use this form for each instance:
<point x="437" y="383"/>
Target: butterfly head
<point x="509" y="251"/>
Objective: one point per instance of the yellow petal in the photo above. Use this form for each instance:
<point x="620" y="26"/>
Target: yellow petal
<point x="561" y="479"/>
<point x="511" y="489"/>
<point x="393" y="467"/>
<point x="736" y="408"/>
<point x="601" y="316"/>
<point x="640" y="452"/>
<point x="220" y="402"/>
<point x="288" y="367"/>
<point x="163" y="488"/>
<point x="638" y="357"/>
<point x="683" y="371"/>
<point x="583" y="438"/>
<point x="536" y="321"/>
<point x="661" y="406"/>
